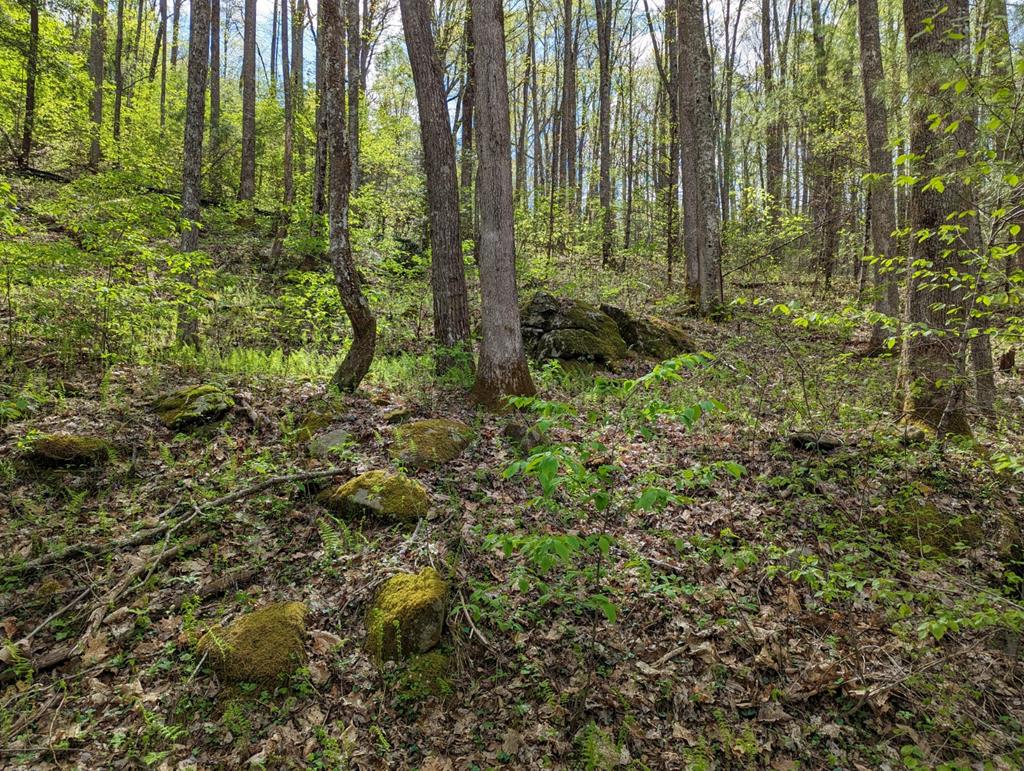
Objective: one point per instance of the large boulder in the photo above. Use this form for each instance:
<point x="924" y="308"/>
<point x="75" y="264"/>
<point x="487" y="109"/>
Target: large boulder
<point x="193" y="406"/>
<point x="650" y="335"/>
<point x="68" y="450"/>
<point x="379" y="493"/>
<point x="425" y="443"/>
<point x="330" y="444"/>
<point x="407" y="615"/>
<point x="560" y="328"/>
<point x="259" y="647"/>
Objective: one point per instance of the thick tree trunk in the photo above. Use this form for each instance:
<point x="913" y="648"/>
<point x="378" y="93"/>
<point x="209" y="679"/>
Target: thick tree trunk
<point x="881" y="205"/>
<point x="502" y="370"/>
<point x="320" y="156"/>
<point x="567" y="153"/>
<point x="31" y="72"/>
<point x="933" y="364"/>
<point x="96" y="47"/>
<point x="696" y="58"/>
<point x="191" y="173"/>
<point x="247" y="180"/>
<point x="448" y="275"/>
<point x="214" y="80"/>
<point x="364" y="326"/>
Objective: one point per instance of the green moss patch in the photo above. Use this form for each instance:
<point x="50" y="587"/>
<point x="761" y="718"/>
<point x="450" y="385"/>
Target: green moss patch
<point x="560" y="328"/>
<point x="424" y="677"/>
<point x="260" y="647"/>
<point x="924" y="523"/>
<point x="407" y="615"/>
<point x="193" y="406"/>
<point x="68" y="450"/>
<point x="650" y="335"/>
<point x="380" y="493"/>
<point x="425" y="443"/>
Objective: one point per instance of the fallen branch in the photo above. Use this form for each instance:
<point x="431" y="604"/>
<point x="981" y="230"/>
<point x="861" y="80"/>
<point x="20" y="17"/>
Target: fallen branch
<point x="144" y="536"/>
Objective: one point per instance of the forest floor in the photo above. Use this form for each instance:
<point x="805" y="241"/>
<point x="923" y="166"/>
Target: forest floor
<point x="768" y="607"/>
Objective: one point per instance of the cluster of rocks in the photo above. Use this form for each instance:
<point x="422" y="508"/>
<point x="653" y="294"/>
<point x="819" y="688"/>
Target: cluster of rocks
<point x="575" y="331"/>
<point x="405" y="621"/>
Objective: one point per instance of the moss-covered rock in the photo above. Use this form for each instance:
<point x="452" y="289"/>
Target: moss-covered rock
<point x="424" y="677"/>
<point x="68" y="450"/>
<point x="396" y="415"/>
<point x="650" y="335"/>
<point x="331" y="443"/>
<point x="259" y="647"/>
<point x="407" y="615"/>
<point x="315" y="422"/>
<point x="380" y="493"/>
<point x="193" y="406"/>
<point x="922" y="522"/>
<point x="425" y="443"/>
<point x="560" y="328"/>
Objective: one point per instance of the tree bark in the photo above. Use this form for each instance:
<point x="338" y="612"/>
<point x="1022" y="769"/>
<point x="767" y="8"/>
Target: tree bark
<point x="881" y="205"/>
<point x="191" y="173"/>
<point x="448" y="276"/>
<point x="773" y="134"/>
<point x="696" y="58"/>
<point x="298" y="80"/>
<point x="355" y="83"/>
<point x="320" y="156"/>
<point x="933" y="367"/>
<point x="288" y="175"/>
<point x="466" y="158"/>
<point x="364" y="326"/>
<point x="31" y="72"/>
<point x="214" y="85"/>
<point x="118" y="70"/>
<point x="96" y="47"/>
<point x="604" y="10"/>
<point x="247" y="180"/>
<point x="175" y="28"/>
<point x="502" y="370"/>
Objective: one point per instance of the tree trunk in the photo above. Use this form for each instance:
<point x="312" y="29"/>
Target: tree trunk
<point x="175" y="28"/>
<point x="118" y="69"/>
<point x="96" y="47"/>
<point x="298" y="80"/>
<point x="247" y="180"/>
<point x="355" y="81"/>
<point x="933" y="373"/>
<point x="604" y="10"/>
<point x="163" y="61"/>
<point x="215" y="95"/>
<point x="881" y="204"/>
<point x="502" y="370"/>
<point x="364" y="326"/>
<point x="568" y="125"/>
<point x="320" y="157"/>
<point x="466" y="154"/>
<point x="31" y="71"/>
<point x="448" y="276"/>
<point x="773" y="134"/>
<point x="191" y="173"/>
<point x="288" y="176"/>
<point x="696" y="58"/>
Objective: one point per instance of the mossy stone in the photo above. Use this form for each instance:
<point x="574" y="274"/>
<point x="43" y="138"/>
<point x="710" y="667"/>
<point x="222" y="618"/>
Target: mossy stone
<point x="407" y="615"/>
<point x="382" y="493"/>
<point x="314" y="422"/>
<point x="193" y="406"/>
<point x="424" y="677"/>
<point x="425" y="443"/>
<point x="68" y="450"/>
<point x="650" y="335"/>
<point x="924" y="523"/>
<point x="560" y="328"/>
<point x="331" y="443"/>
<point x="259" y="647"/>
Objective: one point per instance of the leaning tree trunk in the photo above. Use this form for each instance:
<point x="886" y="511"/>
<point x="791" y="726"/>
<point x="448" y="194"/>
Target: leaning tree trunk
<point x="881" y="206"/>
<point x="502" y="370"/>
<point x="933" y="371"/>
<point x="364" y="326"/>
<point x="247" y="179"/>
<point x="191" y="172"/>
<point x="448" y="273"/>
